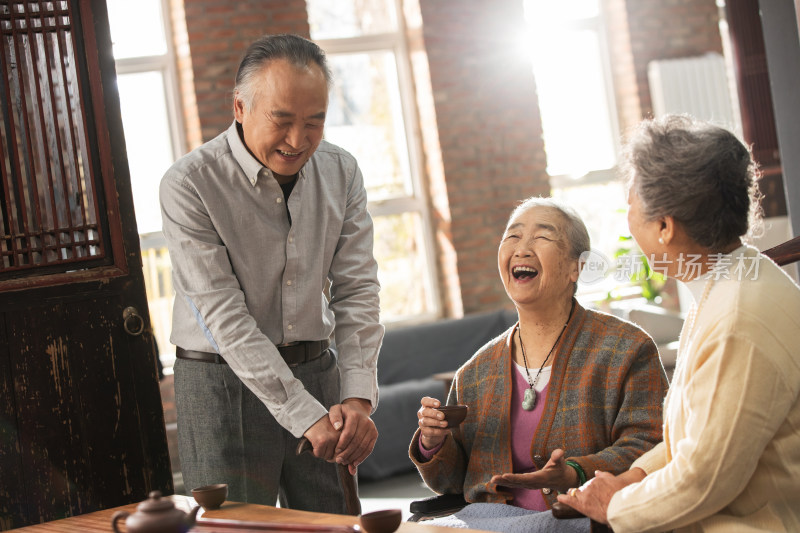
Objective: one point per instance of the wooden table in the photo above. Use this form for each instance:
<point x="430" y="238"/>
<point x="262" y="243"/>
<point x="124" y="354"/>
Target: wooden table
<point x="100" y="521"/>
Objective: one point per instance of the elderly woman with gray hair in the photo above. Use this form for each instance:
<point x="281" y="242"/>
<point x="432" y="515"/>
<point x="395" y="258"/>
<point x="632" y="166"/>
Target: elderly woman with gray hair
<point x="564" y="392"/>
<point x="730" y="459"/>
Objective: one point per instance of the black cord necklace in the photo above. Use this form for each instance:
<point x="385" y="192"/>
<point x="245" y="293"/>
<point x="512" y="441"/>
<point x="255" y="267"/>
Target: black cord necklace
<point x="529" y="399"/>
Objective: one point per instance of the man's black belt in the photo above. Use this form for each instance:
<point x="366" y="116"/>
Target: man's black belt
<point x="295" y="353"/>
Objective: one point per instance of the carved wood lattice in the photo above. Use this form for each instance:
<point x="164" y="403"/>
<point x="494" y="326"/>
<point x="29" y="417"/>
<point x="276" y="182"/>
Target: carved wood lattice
<point x="50" y="208"/>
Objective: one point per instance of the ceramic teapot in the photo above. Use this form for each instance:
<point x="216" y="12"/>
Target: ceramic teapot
<point x="156" y="515"/>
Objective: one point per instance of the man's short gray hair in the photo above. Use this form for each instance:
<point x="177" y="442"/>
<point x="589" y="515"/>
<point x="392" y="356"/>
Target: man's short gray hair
<point x="699" y="174"/>
<point x="297" y="50"/>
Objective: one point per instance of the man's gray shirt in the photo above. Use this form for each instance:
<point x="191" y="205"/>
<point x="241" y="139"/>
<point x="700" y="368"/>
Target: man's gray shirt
<point x="245" y="280"/>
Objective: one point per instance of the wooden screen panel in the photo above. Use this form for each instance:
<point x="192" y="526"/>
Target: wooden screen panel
<point x="51" y="213"/>
<point x="81" y="426"/>
<point x="13" y="503"/>
<point x="73" y="395"/>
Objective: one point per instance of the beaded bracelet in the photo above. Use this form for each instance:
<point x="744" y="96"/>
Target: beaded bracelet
<point x="579" y="470"/>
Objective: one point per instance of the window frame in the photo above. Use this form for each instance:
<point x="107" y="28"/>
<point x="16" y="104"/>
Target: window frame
<point x="416" y="201"/>
<point x="152" y="246"/>
<point x="166" y="64"/>
<point x="598" y="26"/>
<point x="600" y="176"/>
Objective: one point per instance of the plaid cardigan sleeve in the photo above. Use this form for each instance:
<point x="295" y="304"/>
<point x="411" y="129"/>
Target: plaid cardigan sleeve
<point x="444" y="472"/>
<point x="481" y="445"/>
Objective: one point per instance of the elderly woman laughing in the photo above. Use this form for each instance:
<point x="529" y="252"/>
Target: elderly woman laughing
<point x="564" y="392"/>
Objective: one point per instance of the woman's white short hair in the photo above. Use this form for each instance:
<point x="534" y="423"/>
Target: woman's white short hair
<point x="574" y="229"/>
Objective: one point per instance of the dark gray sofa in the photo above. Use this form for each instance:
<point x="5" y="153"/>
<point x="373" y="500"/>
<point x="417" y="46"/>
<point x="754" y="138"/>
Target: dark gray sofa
<point x="408" y="359"/>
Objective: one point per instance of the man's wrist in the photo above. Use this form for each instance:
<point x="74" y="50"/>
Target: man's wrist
<point x="362" y="403"/>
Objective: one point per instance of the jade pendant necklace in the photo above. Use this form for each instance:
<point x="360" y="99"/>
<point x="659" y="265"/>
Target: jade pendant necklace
<point x="529" y="398"/>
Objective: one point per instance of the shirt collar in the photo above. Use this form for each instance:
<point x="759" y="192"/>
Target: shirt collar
<point x="251" y="166"/>
<point x="697" y="285"/>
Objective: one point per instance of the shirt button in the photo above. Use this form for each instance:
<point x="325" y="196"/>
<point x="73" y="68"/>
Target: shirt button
<point x="289" y="282"/>
<point x="291" y="239"/>
<point x="547" y="491"/>
<point x="289" y="327"/>
<point x="278" y="200"/>
<point x="537" y="459"/>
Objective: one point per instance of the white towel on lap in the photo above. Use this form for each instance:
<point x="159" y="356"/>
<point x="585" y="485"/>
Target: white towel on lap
<point x="506" y="518"/>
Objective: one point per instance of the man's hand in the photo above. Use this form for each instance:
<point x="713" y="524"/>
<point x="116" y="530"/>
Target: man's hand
<point x="358" y="435"/>
<point x="556" y="474"/>
<point x="323" y="438"/>
<point x="593" y="497"/>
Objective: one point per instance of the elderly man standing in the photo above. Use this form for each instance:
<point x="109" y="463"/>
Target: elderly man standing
<point x="260" y="222"/>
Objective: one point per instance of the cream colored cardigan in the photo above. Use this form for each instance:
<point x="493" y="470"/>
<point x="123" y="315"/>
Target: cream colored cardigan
<point x="730" y="459"/>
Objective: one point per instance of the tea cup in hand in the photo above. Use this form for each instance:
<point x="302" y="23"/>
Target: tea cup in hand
<point x="453" y="414"/>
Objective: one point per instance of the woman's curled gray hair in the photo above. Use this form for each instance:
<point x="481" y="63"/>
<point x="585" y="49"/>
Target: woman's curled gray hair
<point x="297" y="50"/>
<point x="699" y="174"/>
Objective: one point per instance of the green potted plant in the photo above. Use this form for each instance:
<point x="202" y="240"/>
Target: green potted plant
<point x="650" y="282"/>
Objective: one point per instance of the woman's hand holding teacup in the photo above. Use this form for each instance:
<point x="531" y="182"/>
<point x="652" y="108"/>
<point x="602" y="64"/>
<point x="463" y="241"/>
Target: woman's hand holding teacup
<point x="432" y="425"/>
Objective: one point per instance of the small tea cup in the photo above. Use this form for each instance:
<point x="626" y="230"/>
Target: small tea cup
<point x="385" y="521"/>
<point x="211" y="496"/>
<point x="454" y="414"/>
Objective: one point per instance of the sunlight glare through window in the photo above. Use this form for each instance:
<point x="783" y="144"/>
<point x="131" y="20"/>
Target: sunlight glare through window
<point x="137" y="29"/>
<point x="147" y="136"/>
<point x="564" y="43"/>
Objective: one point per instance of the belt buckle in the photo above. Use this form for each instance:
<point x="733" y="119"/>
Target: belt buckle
<point x="287" y="344"/>
<point x="290" y="345"/>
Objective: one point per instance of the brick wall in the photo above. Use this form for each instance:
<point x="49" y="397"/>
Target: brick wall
<point x="623" y="69"/>
<point x="446" y="259"/>
<point x="476" y="102"/>
<point x="661" y="29"/>
<point x="489" y="133"/>
<point x="487" y="118"/>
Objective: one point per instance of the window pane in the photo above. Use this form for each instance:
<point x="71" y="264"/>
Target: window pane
<point x="574" y="107"/>
<point x="549" y="12"/>
<point x="147" y="137"/>
<point x="332" y="19"/>
<point x="605" y="227"/>
<point x="400" y="252"/>
<point x="137" y="28"/>
<point x="365" y="118"/>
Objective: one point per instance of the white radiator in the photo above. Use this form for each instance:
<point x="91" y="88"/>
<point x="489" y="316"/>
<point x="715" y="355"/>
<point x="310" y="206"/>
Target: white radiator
<point x="694" y="85"/>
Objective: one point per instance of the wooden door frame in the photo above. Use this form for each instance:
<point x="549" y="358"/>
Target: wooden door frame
<point x="119" y="282"/>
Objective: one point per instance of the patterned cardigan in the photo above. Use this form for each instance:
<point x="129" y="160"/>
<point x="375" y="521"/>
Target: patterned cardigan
<point x="603" y="408"/>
